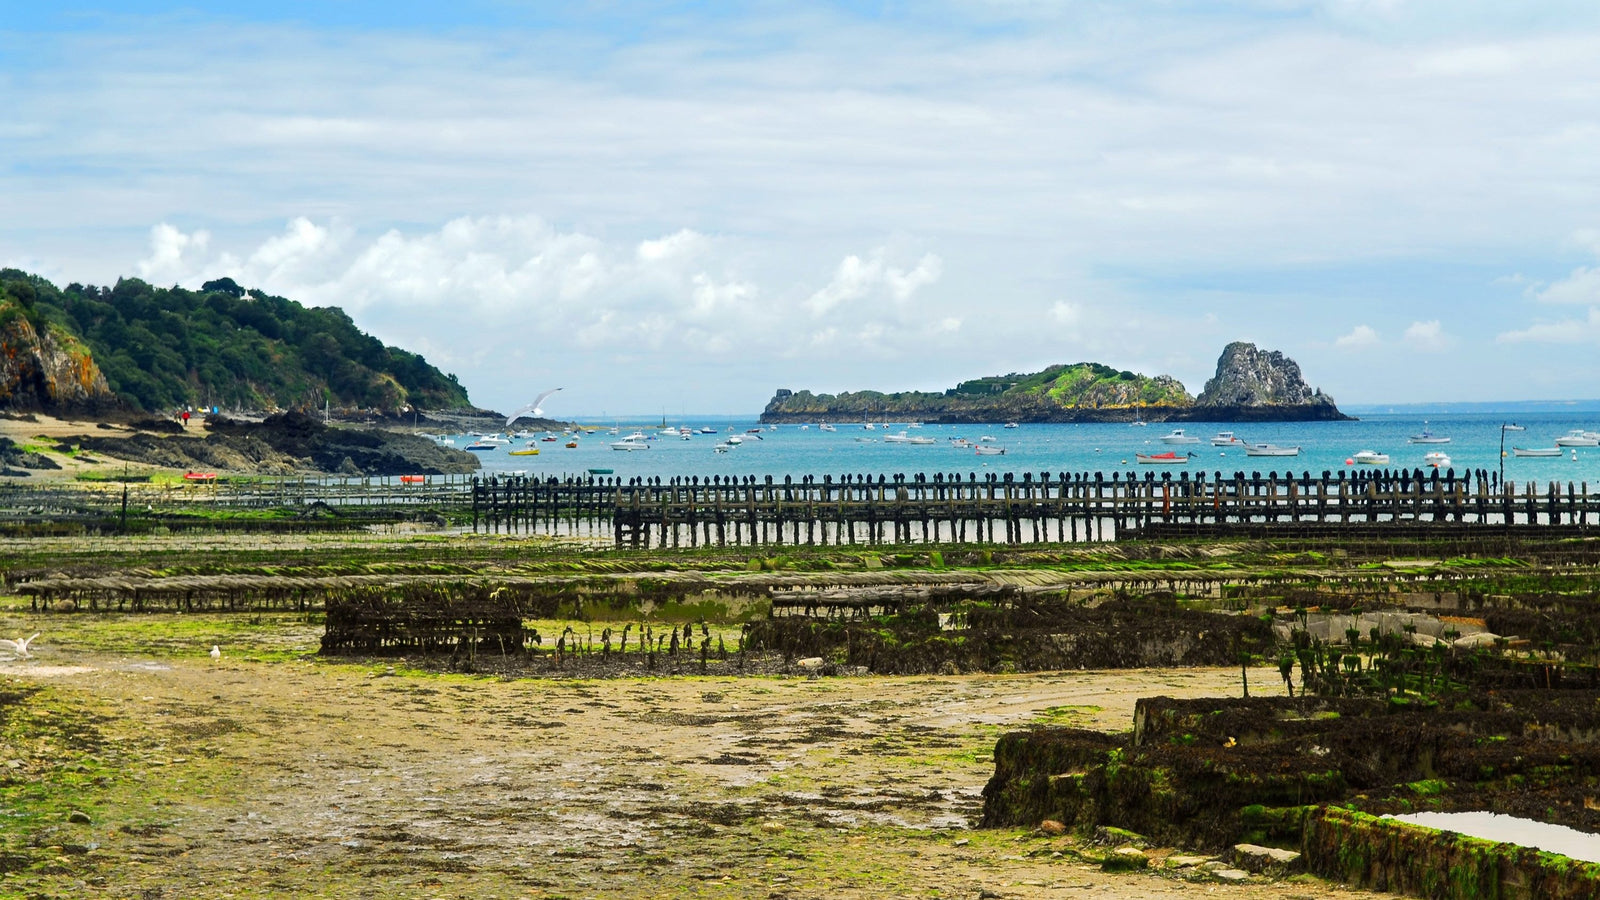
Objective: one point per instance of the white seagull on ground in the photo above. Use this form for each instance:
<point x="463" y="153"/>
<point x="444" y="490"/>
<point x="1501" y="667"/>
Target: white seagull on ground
<point x="216" y="652"/>
<point x="532" y="409"/>
<point x="18" y="649"/>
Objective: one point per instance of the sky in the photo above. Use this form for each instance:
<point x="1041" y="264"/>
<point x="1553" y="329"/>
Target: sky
<point x="677" y="208"/>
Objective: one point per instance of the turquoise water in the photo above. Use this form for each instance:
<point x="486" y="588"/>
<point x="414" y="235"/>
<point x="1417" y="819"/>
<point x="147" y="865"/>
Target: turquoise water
<point x="1325" y="446"/>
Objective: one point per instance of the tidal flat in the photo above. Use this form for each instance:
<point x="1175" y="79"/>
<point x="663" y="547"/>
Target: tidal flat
<point x="135" y="765"/>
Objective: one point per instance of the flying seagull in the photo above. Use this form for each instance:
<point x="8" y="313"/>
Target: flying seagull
<point x="18" y="649"/>
<point x="532" y="409"/>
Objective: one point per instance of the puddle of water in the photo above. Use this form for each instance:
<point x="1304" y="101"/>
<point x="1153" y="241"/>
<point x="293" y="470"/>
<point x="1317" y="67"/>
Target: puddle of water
<point x="1511" y="829"/>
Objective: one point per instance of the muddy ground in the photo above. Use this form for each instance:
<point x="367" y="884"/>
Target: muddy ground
<point x="273" y="773"/>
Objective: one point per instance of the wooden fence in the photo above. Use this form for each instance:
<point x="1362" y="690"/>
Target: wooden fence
<point x="1009" y="509"/>
<point x="861" y="509"/>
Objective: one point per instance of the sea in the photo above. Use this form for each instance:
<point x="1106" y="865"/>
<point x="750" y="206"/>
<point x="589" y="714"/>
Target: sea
<point x="1475" y="437"/>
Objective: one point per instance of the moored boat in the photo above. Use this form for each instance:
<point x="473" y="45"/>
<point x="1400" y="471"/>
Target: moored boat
<point x="1427" y="437"/>
<point x="1537" y="452"/>
<point x="630" y="444"/>
<point x="1270" y="450"/>
<point x="1226" y="439"/>
<point x="528" y="449"/>
<point x="988" y="450"/>
<point x="1436" y="460"/>
<point x="1370" y="458"/>
<point x="1578" y="438"/>
<point x="1178" y="437"/>
<point x="1170" y="458"/>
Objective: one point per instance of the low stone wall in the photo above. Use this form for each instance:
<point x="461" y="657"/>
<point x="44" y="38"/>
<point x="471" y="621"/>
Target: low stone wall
<point x="1387" y="855"/>
<point x="1207" y="774"/>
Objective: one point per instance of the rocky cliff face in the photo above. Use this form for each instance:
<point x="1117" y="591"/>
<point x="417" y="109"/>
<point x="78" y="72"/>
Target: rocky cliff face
<point x="46" y="370"/>
<point x="1254" y="384"/>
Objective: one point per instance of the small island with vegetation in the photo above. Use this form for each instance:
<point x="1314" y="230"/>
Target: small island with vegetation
<point x="1251" y="385"/>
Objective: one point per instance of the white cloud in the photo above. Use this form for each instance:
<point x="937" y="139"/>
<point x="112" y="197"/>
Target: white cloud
<point x="1360" y="338"/>
<point x="1568" y="331"/>
<point x="857" y="279"/>
<point x="1582" y="286"/>
<point x="1066" y="313"/>
<point x="170" y="253"/>
<point x="516" y="280"/>
<point x="1427" y="336"/>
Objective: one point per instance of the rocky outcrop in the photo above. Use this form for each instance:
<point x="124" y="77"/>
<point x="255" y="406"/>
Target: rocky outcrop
<point x="1081" y="392"/>
<point x="1252" y="384"/>
<point x="287" y="444"/>
<point x="46" y="370"/>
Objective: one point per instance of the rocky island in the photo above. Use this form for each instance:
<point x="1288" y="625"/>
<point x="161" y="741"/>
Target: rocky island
<point x="1250" y="385"/>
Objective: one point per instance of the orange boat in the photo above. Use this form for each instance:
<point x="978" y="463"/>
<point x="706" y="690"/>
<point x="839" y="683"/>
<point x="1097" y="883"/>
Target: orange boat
<point x="413" y="479"/>
<point x="199" y="476"/>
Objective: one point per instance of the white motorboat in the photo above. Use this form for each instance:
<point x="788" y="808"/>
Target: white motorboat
<point x="903" y="438"/>
<point x="868" y="426"/>
<point x="1436" y="460"/>
<point x="1370" y="458"/>
<point x="987" y="439"/>
<point x="826" y="427"/>
<point x="735" y="440"/>
<point x="1427" y="437"/>
<point x="1170" y="458"/>
<point x="1178" y="437"/>
<point x="1012" y="425"/>
<point x="1579" y="438"/>
<point x="707" y="429"/>
<point x="866" y="440"/>
<point x="630" y="444"/>
<point x="988" y="450"/>
<point x="1537" y="452"/>
<point x="1270" y="450"/>
<point x="1227" y="439"/>
<point x="1512" y="428"/>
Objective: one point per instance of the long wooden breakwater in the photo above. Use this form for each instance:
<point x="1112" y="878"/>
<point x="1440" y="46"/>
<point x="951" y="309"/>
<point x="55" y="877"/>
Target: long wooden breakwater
<point x="875" y="509"/>
<point x="1014" y="509"/>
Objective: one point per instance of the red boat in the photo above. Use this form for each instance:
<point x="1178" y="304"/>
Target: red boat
<point x="1168" y="459"/>
<point x="413" y="479"/>
<point x="199" y="476"/>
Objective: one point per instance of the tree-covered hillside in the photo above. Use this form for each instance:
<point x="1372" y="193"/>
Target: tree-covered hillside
<point x="222" y="345"/>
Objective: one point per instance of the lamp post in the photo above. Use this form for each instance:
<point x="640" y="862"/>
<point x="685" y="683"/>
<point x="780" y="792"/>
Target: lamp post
<point x="1503" y="427"/>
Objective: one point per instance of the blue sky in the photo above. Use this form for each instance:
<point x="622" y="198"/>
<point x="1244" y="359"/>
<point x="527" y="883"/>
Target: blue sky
<point x="680" y="207"/>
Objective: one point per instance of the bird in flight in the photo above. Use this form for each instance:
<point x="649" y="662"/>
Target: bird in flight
<point x="532" y="409"/>
<point x="18" y="648"/>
